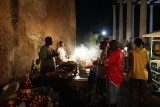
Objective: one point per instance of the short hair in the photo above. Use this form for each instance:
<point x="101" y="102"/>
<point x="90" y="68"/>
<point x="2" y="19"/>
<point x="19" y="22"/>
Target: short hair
<point x="48" y="38"/>
<point x="104" y="43"/>
<point x="38" y="59"/>
<point x="115" y="43"/>
<point x="138" y="41"/>
<point x="106" y="39"/>
<point x="60" y="42"/>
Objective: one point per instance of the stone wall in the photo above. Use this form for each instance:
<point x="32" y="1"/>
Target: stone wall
<point x="23" y="26"/>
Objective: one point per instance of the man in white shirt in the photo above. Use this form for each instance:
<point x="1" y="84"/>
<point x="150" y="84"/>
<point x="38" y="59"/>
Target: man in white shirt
<point x="47" y="55"/>
<point x="62" y="52"/>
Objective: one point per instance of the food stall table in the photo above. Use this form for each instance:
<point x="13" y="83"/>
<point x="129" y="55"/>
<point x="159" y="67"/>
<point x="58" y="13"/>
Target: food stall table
<point x="71" y="86"/>
<point x="154" y="64"/>
<point x="81" y="83"/>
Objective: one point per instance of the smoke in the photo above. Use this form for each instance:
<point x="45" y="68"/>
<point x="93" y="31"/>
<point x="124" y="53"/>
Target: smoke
<point x="85" y="53"/>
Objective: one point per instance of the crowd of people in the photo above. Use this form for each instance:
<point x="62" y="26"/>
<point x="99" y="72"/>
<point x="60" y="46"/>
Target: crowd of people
<point x="109" y="66"/>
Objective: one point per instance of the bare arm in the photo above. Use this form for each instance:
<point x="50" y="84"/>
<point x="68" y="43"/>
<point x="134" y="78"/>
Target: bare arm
<point x="44" y="55"/>
<point x="51" y="56"/>
<point x="131" y="63"/>
<point x="149" y="72"/>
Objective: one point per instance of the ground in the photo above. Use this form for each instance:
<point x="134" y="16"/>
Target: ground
<point x="94" y="100"/>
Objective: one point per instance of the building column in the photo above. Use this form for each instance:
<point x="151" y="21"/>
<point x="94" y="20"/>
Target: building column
<point x="129" y="20"/>
<point x="120" y="21"/>
<point x="114" y="22"/>
<point x="151" y="22"/>
<point x="143" y="18"/>
<point x="132" y="23"/>
<point x="151" y="19"/>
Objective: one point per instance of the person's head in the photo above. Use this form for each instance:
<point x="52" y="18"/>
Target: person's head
<point x="127" y="42"/>
<point x="156" y="43"/>
<point x="146" y="46"/>
<point x="97" y="46"/>
<point x="48" y="41"/>
<point x="61" y="44"/>
<point x="81" y="45"/>
<point x="37" y="61"/>
<point x="103" y="45"/>
<point x="113" y="45"/>
<point x="138" y="42"/>
<point x="106" y="39"/>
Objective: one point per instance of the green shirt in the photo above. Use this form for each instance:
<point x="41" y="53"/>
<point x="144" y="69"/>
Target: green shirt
<point x="149" y="51"/>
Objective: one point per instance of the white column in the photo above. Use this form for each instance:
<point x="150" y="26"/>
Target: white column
<point x="120" y="21"/>
<point x="129" y="20"/>
<point x="151" y="22"/>
<point x="151" y="19"/>
<point x="143" y="18"/>
<point x="114" y="22"/>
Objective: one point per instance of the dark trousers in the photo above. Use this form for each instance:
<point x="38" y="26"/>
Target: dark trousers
<point x="138" y="88"/>
<point x="101" y="86"/>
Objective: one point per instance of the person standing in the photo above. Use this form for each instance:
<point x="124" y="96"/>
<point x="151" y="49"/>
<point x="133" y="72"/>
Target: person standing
<point x="139" y="71"/>
<point x="62" y="52"/>
<point x="47" y="55"/>
<point x="35" y="68"/>
<point x="100" y="73"/>
<point x="99" y="69"/>
<point x="114" y="72"/>
<point x="156" y="50"/>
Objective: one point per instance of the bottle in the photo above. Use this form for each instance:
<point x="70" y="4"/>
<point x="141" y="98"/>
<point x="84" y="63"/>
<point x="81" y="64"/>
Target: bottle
<point x="27" y="82"/>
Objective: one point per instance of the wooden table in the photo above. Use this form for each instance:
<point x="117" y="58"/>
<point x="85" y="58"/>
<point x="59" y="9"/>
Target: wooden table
<point x="75" y="82"/>
<point x="70" y="86"/>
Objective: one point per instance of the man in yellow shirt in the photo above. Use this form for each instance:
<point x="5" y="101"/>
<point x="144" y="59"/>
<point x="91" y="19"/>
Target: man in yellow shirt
<point x="139" y="70"/>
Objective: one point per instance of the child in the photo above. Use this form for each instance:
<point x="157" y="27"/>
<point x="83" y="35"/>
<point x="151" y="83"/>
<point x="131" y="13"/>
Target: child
<point x="36" y="67"/>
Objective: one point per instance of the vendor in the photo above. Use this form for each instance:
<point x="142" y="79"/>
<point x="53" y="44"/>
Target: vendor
<point x="100" y="62"/>
<point x="157" y="49"/>
<point x="62" y="52"/>
<point x="47" y="56"/>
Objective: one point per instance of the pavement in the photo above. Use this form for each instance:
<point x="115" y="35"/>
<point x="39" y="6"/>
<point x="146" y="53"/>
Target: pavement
<point x="94" y="100"/>
<point x="151" y="100"/>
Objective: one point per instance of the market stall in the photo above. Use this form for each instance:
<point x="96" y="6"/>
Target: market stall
<point x="13" y="95"/>
<point x="154" y="63"/>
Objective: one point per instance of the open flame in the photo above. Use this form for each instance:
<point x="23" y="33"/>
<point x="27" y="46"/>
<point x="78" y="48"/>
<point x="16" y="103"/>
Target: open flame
<point x="85" y="56"/>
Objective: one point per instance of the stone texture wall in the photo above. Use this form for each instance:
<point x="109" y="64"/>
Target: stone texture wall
<point x="23" y="26"/>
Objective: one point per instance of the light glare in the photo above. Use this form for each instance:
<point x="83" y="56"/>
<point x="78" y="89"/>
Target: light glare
<point x="104" y="32"/>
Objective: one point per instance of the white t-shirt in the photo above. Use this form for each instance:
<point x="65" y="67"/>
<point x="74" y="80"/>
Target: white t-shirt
<point x="62" y="53"/>
<point x="44" y="52"/>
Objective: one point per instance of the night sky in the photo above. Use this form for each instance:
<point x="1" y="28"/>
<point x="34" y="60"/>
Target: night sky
<point x="93" y="15"/>
<point x="97" y="15"/>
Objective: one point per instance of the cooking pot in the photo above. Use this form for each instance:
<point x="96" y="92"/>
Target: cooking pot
<point x="68" y="66"/>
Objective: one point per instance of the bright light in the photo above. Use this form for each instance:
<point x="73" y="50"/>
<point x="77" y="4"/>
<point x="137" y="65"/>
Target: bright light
<point x="81" y="52"/>
<point x="104" y="33"/>
<point x="84" y="53"/>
